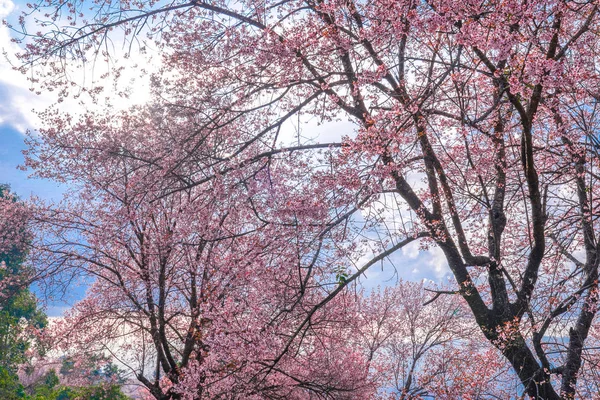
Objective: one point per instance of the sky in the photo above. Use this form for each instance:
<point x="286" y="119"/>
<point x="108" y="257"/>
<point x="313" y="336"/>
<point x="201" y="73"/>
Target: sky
<point x="18" y="107"/>
<point x="17" y="115"/>
<point x="17" y="104"/>
<point x="11" y="146"/>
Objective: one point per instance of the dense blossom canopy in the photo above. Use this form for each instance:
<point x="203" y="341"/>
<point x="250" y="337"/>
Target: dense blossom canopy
<point x="232" y="251"/>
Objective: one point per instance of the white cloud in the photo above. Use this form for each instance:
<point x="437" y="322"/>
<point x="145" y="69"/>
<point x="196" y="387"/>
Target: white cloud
<point x="20" y="103"/>
<point x="411" y="250"/>
<point x="6" y="6"/>
<point x="17" y="100"/>
<point x="437" y="262"/>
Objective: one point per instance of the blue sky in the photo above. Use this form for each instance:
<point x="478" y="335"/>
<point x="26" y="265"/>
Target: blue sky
<point x="17" y="105"/>
<point x="12" y="145"/>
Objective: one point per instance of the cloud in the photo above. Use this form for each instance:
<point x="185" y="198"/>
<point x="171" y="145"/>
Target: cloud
<point x="19" y="103"/>
<point x="411" y="250"/>
<point x="6" y="6"/>
<point x="437" y="262"/>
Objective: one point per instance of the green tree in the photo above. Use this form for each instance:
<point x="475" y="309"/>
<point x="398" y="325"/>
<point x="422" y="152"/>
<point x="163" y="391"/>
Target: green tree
<point x="10" y="387"/>
<point x="99" y="392"/>
<point x="49" y="388"/>
<point x="20" y="316"/>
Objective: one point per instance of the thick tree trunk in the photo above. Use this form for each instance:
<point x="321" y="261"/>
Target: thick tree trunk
<point x="577" y="337"/>
<point x="535" y="380"/>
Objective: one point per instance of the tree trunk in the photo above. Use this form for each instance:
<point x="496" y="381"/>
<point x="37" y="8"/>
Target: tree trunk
<point x="534" y="378"/>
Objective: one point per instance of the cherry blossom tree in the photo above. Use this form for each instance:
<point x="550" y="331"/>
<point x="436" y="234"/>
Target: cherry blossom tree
<point x="475" y="132"/>
<point x="421" y="344"/>
<point x="196" y="292"/>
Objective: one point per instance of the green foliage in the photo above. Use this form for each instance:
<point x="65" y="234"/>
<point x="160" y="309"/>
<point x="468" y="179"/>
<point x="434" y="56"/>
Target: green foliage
<point x="341" y="275"/>
<point x="14" y="257"/>
<point x="100" y="392"/>
<point x="18" y="316"/>
<point x="51" y="379"/>
<point x="49" y="388"/>
<point x="46" y="388"/>
<point x="19" y="312"/>
<point x="107" y="373"/>
<point x="10" y="388"/>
